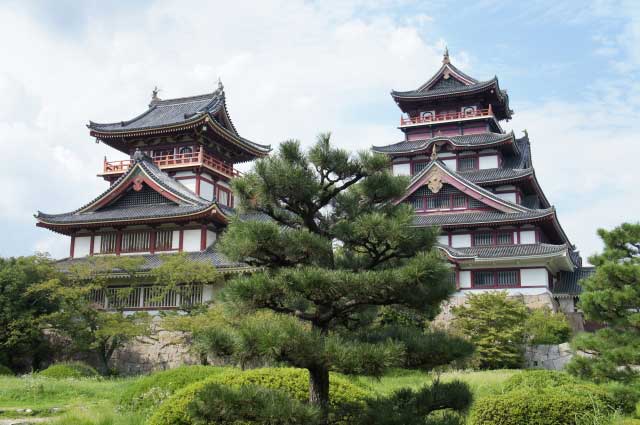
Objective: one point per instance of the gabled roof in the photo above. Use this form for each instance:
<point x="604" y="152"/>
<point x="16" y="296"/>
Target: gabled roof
<point x="155" y="197"/>
<point x="436" y="169"/>
<point x="505" y="251"/>
<point x="449" y="81"/>
<point x="172" y="115"/>
<point x="482" y="140"/>
<point x="475" y="219"/>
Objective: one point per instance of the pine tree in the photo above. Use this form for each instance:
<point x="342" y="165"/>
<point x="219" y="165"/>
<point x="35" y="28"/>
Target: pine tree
<point x="611" y="296"/>
<point x="334" y="249"/>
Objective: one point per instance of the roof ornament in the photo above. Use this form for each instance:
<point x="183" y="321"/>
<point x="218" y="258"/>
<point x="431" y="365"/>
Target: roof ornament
<point x="434" y="152"/>
<point x="220" y="86"/>
<point x="445" y="57"/>
<point x="526" y="133"/>
<point x="138" y="155"/>
<point x="154" y="96"/>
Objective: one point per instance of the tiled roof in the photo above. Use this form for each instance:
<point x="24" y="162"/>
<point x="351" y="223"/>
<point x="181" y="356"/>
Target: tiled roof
<point x="468" y="140"/>
<point x="446" y="91"/>
<point x="495" y="174"/>
<point x="506" y="251"/>
<point x="152" y="261"/>
<point x="474" y="218"/>
<point x="189" y="203"/>
<point x="568" y="282"/>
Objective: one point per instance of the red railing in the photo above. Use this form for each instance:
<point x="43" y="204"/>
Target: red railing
<point x="199" y="157"/>
<point x="449" y="116"/>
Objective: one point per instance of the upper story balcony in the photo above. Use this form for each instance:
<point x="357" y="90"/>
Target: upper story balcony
<point x="199" y="158"/>
<point x="432" y="119"/>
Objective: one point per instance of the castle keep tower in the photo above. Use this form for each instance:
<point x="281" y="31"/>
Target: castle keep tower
<point x="477" y="183"/>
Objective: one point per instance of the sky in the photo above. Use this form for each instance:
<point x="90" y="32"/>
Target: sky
<point x="292" y="69"/>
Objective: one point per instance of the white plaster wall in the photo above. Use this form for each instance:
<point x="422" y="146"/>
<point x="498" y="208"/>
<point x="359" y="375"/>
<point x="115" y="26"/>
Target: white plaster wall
<point x="511" y="196"/>
<point x="191" y="240"/>
<point x="175" y="239"/>
<point x="189" y="183"/>
<point x="401" y="169"/>
<point x="446" y="155"/>
<point x="534" y="277"/>
<point x="211" y="237"/>
<point x="450" y="163"/>
<point x="443" y="239"/>
<point x="489" y="161"/>
<point x="184" y="173"/>
<point x="97" y="241"/>
<point x="527" y="236"/>
<point x="82" y="246"/>
<point x="223" y="184"/>
<point x="464" y="278"/>
<point x="461" y="241"/>
<point x="206" y="190"/>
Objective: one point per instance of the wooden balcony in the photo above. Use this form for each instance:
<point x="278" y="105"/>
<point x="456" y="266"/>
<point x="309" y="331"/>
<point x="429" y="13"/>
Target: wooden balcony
<point x="182" y="160"/>
<point x="441" y="118"/>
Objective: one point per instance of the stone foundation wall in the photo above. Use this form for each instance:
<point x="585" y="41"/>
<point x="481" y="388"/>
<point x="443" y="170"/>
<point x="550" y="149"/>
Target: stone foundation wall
<point x="553" y="357"/>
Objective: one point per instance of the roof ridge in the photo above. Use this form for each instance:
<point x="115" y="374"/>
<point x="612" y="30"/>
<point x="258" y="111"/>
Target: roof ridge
<point x="187" y="99"/>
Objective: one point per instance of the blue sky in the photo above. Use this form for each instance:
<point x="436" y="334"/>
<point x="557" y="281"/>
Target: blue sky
<point x="292" y="69"/>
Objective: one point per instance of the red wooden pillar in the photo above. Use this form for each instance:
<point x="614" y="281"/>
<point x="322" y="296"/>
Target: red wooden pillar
<point x="198" y="183"/>
<point x="181" y="240"/>
<point x="118" y="242"/>
<point x="203" y="237"/>
<point x="72" y="246"/>
<point x="152" y="241"/>
<point x="91" y="249"/>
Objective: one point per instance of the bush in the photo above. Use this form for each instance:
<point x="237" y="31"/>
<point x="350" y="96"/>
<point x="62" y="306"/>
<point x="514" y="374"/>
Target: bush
<point x="5" y="371"/>
<point x="294" y="383"/>
<point x="549" y="406"/>
<point x="538" y="380"/>
<point x="543" y="326"/>
<point x="212" y="403"/>
<point x="614" y="396"/>
<point x="151" y="390"/>
<point x="69" y="370"/>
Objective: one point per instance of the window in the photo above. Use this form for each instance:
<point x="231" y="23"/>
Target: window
<point x="416" y="202"/>
<point x="482" y="278"/>
<point x="459" y="201"/>
<point x="164" y="240"/>
<point x="135" y="241"/>
<point x="504" y="238"/>
<point x="186" y="150"/>
<point x="483" y="239"/>
<point x="496" y="279"/>
<point x="108" y="243"/>
<point x="470" y="163"/>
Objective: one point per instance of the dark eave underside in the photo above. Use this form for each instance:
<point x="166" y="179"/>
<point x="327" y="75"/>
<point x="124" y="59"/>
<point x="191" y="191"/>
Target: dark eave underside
<point x="446" y="91"/>
<point x="506" y="251"/>
<point x="477" y="218"/>
<point x="463" y="141"/>
<point x="568" y="282"/>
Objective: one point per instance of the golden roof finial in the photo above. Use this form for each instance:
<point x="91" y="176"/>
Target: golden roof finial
<point x="434" y="152"/>
<point x="445" y="57"/>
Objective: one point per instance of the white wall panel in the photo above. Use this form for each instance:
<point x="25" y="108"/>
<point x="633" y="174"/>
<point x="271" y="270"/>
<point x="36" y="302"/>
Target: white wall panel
<point x="534" y="277"/>
<point x="211" y="237"/>
<point x="206" y="190"/>
<point x="510" y="196"/>
<point x="461" y="241"/>
<point x="443" y="239"/>
<point x="175" y="239"/>
<point x="82" y="246"/>
<point x="97" y="241"/>
<point x="189" y="183"/>
<point x="450" y="163"/>
<point x="401" y="169"/>
<point x="489" y="161"/>
<point x="191" y="240"/>
<point x="527" y="236"/>
<point x="464" y="278"/>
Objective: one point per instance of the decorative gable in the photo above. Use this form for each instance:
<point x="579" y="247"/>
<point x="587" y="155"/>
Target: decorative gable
<point x="445" y="82"/>
<point x="131" y="197"/>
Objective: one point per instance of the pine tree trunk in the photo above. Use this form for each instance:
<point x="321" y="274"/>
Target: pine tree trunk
<point x="319" y="388"/>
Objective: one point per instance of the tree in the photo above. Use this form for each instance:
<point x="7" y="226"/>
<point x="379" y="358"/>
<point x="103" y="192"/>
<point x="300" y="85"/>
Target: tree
<point x="611" y="296"/>
<point x="543" y="326"/>
<point x="495" y="325"/>
<point x="336" y="248"/>
<point x="88" y="328"/>
<point x="22" y="310"/>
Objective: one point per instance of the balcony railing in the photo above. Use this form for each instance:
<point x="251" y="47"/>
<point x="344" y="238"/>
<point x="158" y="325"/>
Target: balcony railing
<point x="448" y="116"/>
<point x="198" y="158"/>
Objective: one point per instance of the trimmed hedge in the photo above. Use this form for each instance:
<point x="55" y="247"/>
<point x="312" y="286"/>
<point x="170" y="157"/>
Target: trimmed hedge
<point x="149" y="391"/>
<point x="5" y="371"/>
<point x="550" y="406"/>
<point x="69" y="370"/>
<point x="292" y="382"/>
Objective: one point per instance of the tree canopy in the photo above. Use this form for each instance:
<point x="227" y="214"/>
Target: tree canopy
<point x="334" y="247"/>
<point x="611" y="296"/>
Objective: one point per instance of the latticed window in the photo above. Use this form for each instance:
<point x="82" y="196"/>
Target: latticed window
<point x="108" y="243"/>
<point x="459" y="201"/>
<point x="164" y="240"/>
<point x="483" y="239"/>
<point x="417" y="202"/>
<point x="483" y="278"/>
<point x="504" y="238"/>
<point x="467" y="163"/>
<point x="419" y="166"/>
<point x="507" y="278"/>
<point x="135" y="241"/>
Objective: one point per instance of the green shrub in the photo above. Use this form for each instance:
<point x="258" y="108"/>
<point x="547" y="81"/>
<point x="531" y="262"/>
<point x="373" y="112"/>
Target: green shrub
<point x="151" y="390"/>
<point x="623" y="397"/>
<point x="543" y="326"/>
<point x="69" y="370"/>
<point x="549" y="406"/>
<point x="5" y="371"/>
<point x="294" y="383"/>
<point x="538" y="379"/>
